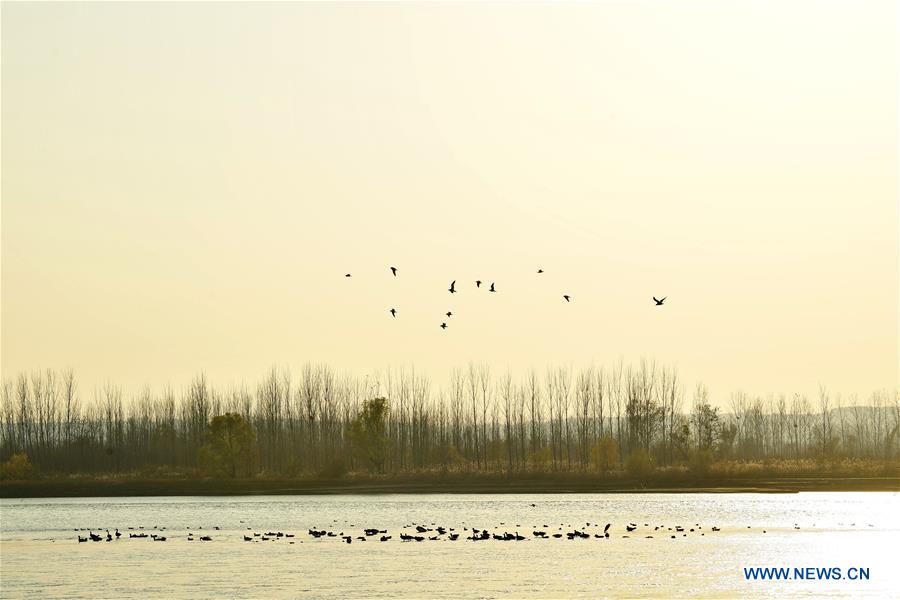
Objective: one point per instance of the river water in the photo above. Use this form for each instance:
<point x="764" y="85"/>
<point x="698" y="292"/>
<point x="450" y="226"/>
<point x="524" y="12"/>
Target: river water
<point x="40" y="555"/>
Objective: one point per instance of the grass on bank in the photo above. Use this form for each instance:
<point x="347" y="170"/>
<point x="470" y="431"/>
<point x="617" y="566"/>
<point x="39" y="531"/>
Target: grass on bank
<point x="20" y="479"/>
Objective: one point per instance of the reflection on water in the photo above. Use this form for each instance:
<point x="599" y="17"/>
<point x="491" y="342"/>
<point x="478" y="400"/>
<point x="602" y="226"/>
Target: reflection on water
<point x="41" y="554"/>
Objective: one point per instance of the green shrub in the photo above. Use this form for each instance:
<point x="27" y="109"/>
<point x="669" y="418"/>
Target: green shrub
<point x="540" y="457"/>
<point x="639" y="463"/>
<point x="18" y="467"/>
<point x="605" y="454"/>
<point x="230" y="450"/>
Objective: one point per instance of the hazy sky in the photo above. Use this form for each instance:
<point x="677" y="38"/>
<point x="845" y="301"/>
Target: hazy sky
<point x="185" y="185"/>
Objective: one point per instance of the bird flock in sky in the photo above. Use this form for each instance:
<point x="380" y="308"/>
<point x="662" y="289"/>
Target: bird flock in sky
<point x="452" y="289"/>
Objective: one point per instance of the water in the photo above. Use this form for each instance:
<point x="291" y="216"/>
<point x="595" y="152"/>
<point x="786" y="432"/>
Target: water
<point x="40" y="554"/>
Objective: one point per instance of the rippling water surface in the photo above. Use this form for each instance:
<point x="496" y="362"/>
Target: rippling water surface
<point x="40" y="554"/>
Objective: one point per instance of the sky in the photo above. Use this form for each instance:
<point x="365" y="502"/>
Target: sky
<point x="184" y="186"/>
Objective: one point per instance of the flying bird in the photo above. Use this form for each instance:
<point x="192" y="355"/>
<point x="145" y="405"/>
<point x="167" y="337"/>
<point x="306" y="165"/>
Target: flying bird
<point x="492" y="288"/>
<point x="449" y="314"/>
<point x="453" y="287"/>
<point x="567" y="297"/>
<point x="394" y="271"/>
<point x="540" y="270"/>
<point x="478" y="283"/>
<point x="393" y="312"/>
<point x="347" y="275"/>
<point x="659" y="302"/>
<point x="443" y="326"/>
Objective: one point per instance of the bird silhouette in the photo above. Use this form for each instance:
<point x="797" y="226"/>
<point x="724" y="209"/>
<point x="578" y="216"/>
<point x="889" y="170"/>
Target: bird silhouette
<point x="492" y="288"/>
<point x="394" y="271"/>
<point x="540" y="270"/>
<point x="567" y="297"/>
<point x="443" y="326"/>
<point x="453" y="287"/>
<point x="394" y="312"/>
<point x="347" y="275"/>
<point x="449" y="314"/>
<point x="659" y="302"/>
<point x="477" y="283"/>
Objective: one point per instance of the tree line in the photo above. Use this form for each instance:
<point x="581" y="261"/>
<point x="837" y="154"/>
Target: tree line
<point x="324" y="424"/>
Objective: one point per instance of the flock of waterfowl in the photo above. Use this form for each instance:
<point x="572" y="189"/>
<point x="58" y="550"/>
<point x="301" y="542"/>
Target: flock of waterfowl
<point x="139" y="534"/>
<point x="452" y="289"/>
<point x="417" y="532"/>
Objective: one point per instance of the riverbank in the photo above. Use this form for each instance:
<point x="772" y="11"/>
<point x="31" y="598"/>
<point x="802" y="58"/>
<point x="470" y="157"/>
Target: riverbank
<point x="455" y="484"/>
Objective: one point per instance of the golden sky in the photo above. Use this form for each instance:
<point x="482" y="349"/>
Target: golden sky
<point x="185" y="185"/>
